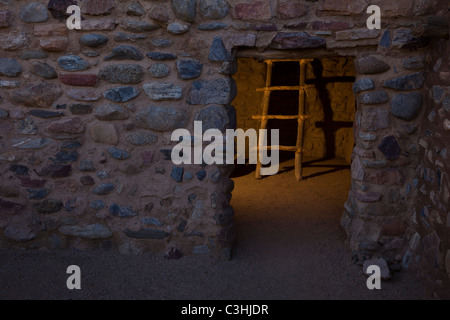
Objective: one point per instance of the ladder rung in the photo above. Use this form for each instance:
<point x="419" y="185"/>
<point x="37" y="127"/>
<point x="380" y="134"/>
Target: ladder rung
<point x="289" y="60"/>
<point x="283" y="88"/>
<point x="298" y="117"/>
<point x="282" y="148"/>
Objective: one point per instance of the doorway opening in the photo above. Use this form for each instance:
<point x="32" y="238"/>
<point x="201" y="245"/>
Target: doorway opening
<point x="278" y="211"/>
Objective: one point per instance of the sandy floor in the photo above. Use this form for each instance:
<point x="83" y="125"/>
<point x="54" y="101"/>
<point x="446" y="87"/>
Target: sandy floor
<point x="289" y="246"/>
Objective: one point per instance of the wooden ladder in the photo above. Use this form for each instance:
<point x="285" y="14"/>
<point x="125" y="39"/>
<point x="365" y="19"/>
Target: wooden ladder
<point x="301" y="117"/>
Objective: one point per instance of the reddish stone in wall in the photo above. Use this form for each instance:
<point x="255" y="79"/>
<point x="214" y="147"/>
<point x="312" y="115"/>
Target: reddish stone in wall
<point x="54" y="43"/>
<point x="147" y="157"/>
<point x="291" y="9"/>
<point x="296" y="40"/>
<point x="8" y="207"/>
<point x="368" y="196"/>
<point x="391" y="176"/>
<point x="27" y="182"/>
<point x="342" y="7"/>
<point x="255" y="10"/>
<point x="5" y="18"/>
<point x="331" y="25"/>
<point x="50" y="30"/>
<point x="97" y="7"/>
<point x="393" y="228"/>
<point x="69" y="125"/>
<point x="78" y="79"/>
<point x="58" y="8"/>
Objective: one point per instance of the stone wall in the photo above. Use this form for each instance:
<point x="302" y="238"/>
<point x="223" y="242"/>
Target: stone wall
<point x="429" y="247"/>
<point x="86" y="117"/>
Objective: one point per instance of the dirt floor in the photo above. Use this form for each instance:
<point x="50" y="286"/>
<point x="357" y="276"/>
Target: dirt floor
<point x="289" y="246"/>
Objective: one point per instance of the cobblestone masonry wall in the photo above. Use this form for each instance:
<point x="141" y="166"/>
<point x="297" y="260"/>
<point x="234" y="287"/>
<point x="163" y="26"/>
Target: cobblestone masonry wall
<point x="86" y="118"/>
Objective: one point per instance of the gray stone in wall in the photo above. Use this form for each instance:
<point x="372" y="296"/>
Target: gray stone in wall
<point x="159" y="70"/>
<point x="97" y="205"/>
<point x="405" y="39"/>
<point x="374" y="97"/>
<point x="43" y="70"/>
<point x="414" y="63"/>
<point x="390" y="148"/>
<point x="122" y="73"/>
<point x="385" y="39"/>
<point x="438" y="93"/>
<point x="103" y="188"/>
<point x="446" y="104"/>
<point x="214" y="9"/>
<point x="163" y="91"/>
<point x="141" y="138"/>
<point x="38" y="194"/>
<point x="93" y="40"/>
<point x="147" y="234"/>
<point x="367" y="136"/>
<point x="9" y="84"/>
<point x="19" y="231"/>
<point x="48" y="206"/>
<point x="30" y="55"/>
<point x="121" y="94"/>
<point x="122" y="37"/>
<point x="93" y="231"/>
<point x="160" y="118"/>
<point x="38" y="143"/>
<point x="189" y="68"/>
<point x="214" y="176"/>
<point x="406" y="106"/>
<point x="73" y="63"/>
<point x="45" y="114"/>
<point x="213" y="117"/>
<point x="135" y="9"/>
<point x="218" y="52"/>
<point x="178" y="28"/>
<point x="374" y="119"/>
<point x="152" y="221"/>
<point x="40" y="95"/>
<point x="162" y="43"/>
<point x="110" y="112"/>
<point x="86" y="165"/>
<point x="363" y="85"/>
<point x="161" y="56"/>
<point x="91" y="53"/>
<point x="138" y="26"/>
<point x="119" y="154"/>
<point x="216" y="91"/>
<point x="211" y="26"/>
<point x="125" y="52"/>
<point x="201" y="175"/>
<point x="370" y="65"/>
<point x="177" y="174"/>
<point x="122" y="212"/>
<point x="3" y="114"/>
<point x="184" y="9"/>
<point x="9" y="67"/>
<point x="201" y="249"/>
<point x="409" y="82"/>
<point x="296" y="40"/>
<point x="14" y="40"/>
<point x="374" y="164"/>
<point x="33" y="13"/>
<point x="81" y="109"/>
